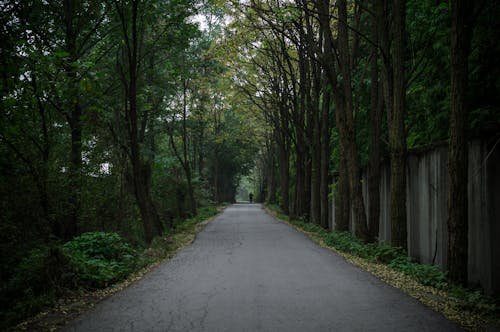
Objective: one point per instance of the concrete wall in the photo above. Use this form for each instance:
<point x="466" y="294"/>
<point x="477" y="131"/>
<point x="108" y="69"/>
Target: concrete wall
<point x="427" y="186"/>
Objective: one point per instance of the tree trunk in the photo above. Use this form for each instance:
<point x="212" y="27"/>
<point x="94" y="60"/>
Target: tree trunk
<point x="75" y="171"/>
<point x="457" y="152"/>
<point x="192" y="200"/>
<point x="51" y="227"/>
<point x="299" y="197"/>
<point x="271" y="197"/>
<point x="185" y="161"/>
<point x="376" y="110"/>
<point x="374" y="168"/>
<point x="284" y="175"/>
<point x="325" y="161"/>
<point x="397" y="132"/>
<point x="141" y="173"/>
<point x="140" y="170"/>
<point x="342" y="199"/>
<point x="300" y="144"/>
<point x="382" y="13"/>
<point x="315" y="209"/>
<point x="217" y="196"/>
<point x="150" y="219"/>
<point x="347" y="130"/>
<point x="75" y="123"/>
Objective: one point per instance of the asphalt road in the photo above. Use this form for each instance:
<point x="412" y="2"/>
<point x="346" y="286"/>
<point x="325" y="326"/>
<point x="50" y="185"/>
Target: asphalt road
<point x="249" y="272"/>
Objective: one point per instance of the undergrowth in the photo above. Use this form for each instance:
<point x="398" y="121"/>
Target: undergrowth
<point x="397" y="259"/>
<point x="91" y="261"/>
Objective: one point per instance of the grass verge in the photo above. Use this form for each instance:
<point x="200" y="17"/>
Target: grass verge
<point x="76" y="301"/>
<point x="469" y="308"/>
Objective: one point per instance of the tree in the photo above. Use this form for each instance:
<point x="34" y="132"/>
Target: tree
<point x="147" y="39"/>
<point x="376" y="113"/>
<point x="183" y="155"/>
<point x="80" y="24"/>
<point x="342" y="97"/>
<point x="325" y="179"/>
<point x="141" y="169"/>
<point x="397" y="130"/>
<point x="394" y="87"/>
<point x="461" y="31"/>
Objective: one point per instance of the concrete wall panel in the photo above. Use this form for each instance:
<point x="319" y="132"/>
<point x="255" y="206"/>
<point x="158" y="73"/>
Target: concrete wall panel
<point x="427" y="195"/>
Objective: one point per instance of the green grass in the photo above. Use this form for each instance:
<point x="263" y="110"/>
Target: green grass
<point x="203" y="213"/>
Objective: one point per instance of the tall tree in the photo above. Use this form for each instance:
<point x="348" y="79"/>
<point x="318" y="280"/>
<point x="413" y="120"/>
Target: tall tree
<point x="461" y="31"/>
<point x="394" y="90"/>
<point x="325" y="159"/>
<point x="376" y="111"/>
<point x="182" y="156"/>
<point x="315" y="117"/>
<point x="130" y="19"/>
<point x="397" y="130"/>
<point x="79" y="29"/>
<point x="343" y="100"/>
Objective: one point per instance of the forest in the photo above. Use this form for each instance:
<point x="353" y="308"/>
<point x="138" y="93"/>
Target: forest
<point x="123" y="122"/>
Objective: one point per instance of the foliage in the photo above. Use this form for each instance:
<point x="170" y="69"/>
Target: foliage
<point x="93" y="260"/>
<point x="474" y="300"/>
<point x="428" y="101"/>
<point x="428" y="275"/>
<point x="99" y="259"/>
<point x="66" y="166"/>
<point x="203" y="214"/>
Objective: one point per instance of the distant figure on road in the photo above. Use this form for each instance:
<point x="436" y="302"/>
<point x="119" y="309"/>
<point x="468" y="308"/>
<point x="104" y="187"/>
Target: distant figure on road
<point x="250" y="197"/>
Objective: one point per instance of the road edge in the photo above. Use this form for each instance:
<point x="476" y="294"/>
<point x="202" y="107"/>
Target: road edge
<point x="436" y="300"/>
<point x="78" y="303"/>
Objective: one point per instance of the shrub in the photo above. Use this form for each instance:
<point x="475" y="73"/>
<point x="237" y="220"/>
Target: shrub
<point x="99" y="245"/>
<point x="474" y="300"/>
<point x="428" y="275"/>
<point x="206" y="212"/>
<point x="99" y="259"/>
<point x="312" y="228"/>
<point x="345" y="241"/>
<point x="386" y="253"/>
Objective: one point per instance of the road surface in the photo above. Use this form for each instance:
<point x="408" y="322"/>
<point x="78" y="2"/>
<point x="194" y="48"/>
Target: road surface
<point x="249" y="272"/>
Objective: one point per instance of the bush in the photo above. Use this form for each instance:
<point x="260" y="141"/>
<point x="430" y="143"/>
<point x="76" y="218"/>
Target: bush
<point x="428" y="275"/>
<point x="206" y="212"/>
<point x="345" y="241"/>
<point x="386" y="253"/>
<point x="99" y="259"/>
<point x="474" y="301"/>
<point x="312" y="228"/>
